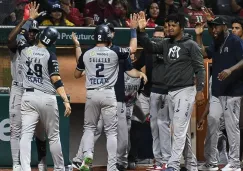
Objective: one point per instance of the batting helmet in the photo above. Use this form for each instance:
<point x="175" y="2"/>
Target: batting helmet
<point x="34" y="26"/>
<point x="48" y="36"/>
<point x="102" y="33"/>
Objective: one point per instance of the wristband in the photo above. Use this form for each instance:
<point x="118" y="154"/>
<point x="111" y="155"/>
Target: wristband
<point x="133" y="33"/>
<point x="58" y="84"/>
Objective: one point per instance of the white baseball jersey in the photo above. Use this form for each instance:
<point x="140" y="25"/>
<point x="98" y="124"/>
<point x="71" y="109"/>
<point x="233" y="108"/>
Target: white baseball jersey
<point x="101" y="65"/>
<point x="38" y="66"/>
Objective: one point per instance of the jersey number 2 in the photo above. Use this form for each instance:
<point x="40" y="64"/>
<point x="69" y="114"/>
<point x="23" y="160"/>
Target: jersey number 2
<point x="100" y="68"/>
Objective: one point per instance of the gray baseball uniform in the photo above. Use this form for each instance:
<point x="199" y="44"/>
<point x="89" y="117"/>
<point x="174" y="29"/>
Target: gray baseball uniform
<point x="213" y="130"/>
<point x="101" y="70"/>
<point x="14" y="108"/>
<point x="39" y="101"/>
<point x="160" y="127"/>
<point x="131" y="88"/>
<point x="16" y="93"/>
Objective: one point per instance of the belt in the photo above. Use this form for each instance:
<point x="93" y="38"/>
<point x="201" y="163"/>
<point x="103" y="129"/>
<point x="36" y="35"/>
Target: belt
<point x="29" y="89"/>
<point x="33" y="90"/>
<point x="103" y="88"/>
<point x="16" y="83"/>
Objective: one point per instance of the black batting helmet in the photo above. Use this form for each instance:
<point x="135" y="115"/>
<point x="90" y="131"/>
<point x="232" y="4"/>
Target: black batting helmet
<point x="34" y="26"/>
<point x="48" y="36"/>
<point x="102" y="33"/>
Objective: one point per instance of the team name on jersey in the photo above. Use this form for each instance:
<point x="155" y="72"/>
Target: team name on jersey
<point x="100" y="60"/>
<point x="98" y="81"/>
<point x="34" y="79"/>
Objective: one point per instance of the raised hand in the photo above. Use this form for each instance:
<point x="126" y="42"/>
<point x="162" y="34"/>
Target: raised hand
<point x="199" y="28"/>
<point x="34" y="10"/>
<point x="208" y="13"/>
<point x="75" y="39"/>
<point x="133" y="21"/>
<point x="142" y="23"/>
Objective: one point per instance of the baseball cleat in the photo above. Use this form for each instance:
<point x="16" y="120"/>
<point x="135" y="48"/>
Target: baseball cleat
<point x="230" y="167"/>
<point x="76" y="165"/>
<point x="17" y="167"/>
<point x="208" y="167"/>
<point x="170" y="169"/>
<point x="131" y="166"/>
<point x="87" y="162"/>
<point x="42" y="167"/>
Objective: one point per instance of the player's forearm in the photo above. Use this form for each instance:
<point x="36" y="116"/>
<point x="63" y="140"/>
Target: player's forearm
<point x="62" y="93"/>
<point x="200" y="75"/>
<point x="134" y="73"/>
<point x="237" y="66"/>
<point x="206" y="111"/>
<point x="133" y="41"/>
<point x="13" y="34"/>
<point x="78" y="52"/>
<point x="200" y="43"/>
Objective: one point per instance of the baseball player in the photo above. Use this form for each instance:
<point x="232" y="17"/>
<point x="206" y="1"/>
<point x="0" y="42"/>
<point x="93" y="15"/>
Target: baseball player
<point x="17" y="91"/>
<point x="237" y="29"/>
<point x="213" y="106"/>
<point x="101" y="70"/>
<point x="183" y="59"/>
<point x="41" y="81"/>
<point x="226" y="52"/>
<point x="124" y="65"/>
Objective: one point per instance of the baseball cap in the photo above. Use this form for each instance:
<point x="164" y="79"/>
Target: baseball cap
<point x="111" y="26"/>
<point x="21" y="1"/>
<point x="217" y="21"/>
<point x="56" y="7"/>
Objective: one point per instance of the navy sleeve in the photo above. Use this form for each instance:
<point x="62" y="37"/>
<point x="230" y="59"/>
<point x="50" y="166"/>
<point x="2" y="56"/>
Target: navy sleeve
<point x="53" y="67"/>
<point x="22" y="37"/>
<point x="238" y="49"/>
<point x="21" y="43"/>
<point x="122" y="53"/>
<point x="138" y="64"/>
<point x="128" y="64"/>
<point x="80" y="65"/>
<point x="209" y="51"/>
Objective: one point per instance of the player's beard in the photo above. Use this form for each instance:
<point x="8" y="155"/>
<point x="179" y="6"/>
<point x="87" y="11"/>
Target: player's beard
<point x="219" y="41"/>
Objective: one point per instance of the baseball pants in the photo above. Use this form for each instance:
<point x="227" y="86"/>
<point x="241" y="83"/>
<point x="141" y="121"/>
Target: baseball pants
<point x="160" y="127"/>
<point x="231" y="114"/>
<point x="181" y="103"/>
<point x="101" y="102"/>
<point x="79" y="156"/>
<point x="140" y="128"/>
<point x="39" y="106"/>
<point x="15" y="127"/>
<point x="141" y="108"/>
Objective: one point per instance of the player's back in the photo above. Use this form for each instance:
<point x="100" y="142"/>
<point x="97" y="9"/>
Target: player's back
<point x="101" y="67"/>
<point x="36" y="69"/>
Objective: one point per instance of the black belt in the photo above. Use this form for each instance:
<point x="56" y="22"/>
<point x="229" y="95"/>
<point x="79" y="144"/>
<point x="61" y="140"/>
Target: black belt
<point x="33" y="90"/>
<point x="30" y="89"/>
<point x="105" y="88"/>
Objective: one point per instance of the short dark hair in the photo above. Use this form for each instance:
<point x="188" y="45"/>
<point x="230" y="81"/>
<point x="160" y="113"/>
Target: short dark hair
<point x="159" y="29"/>
<point x="177" y="18"/>
<point x="238" y="21"/>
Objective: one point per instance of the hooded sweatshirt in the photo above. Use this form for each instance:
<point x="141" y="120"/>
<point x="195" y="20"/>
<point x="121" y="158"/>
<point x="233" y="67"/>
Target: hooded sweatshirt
<point x="183" y="60"/>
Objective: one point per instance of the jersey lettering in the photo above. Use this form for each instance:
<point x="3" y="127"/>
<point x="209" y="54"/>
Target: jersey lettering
<point x="34" y="75"/>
